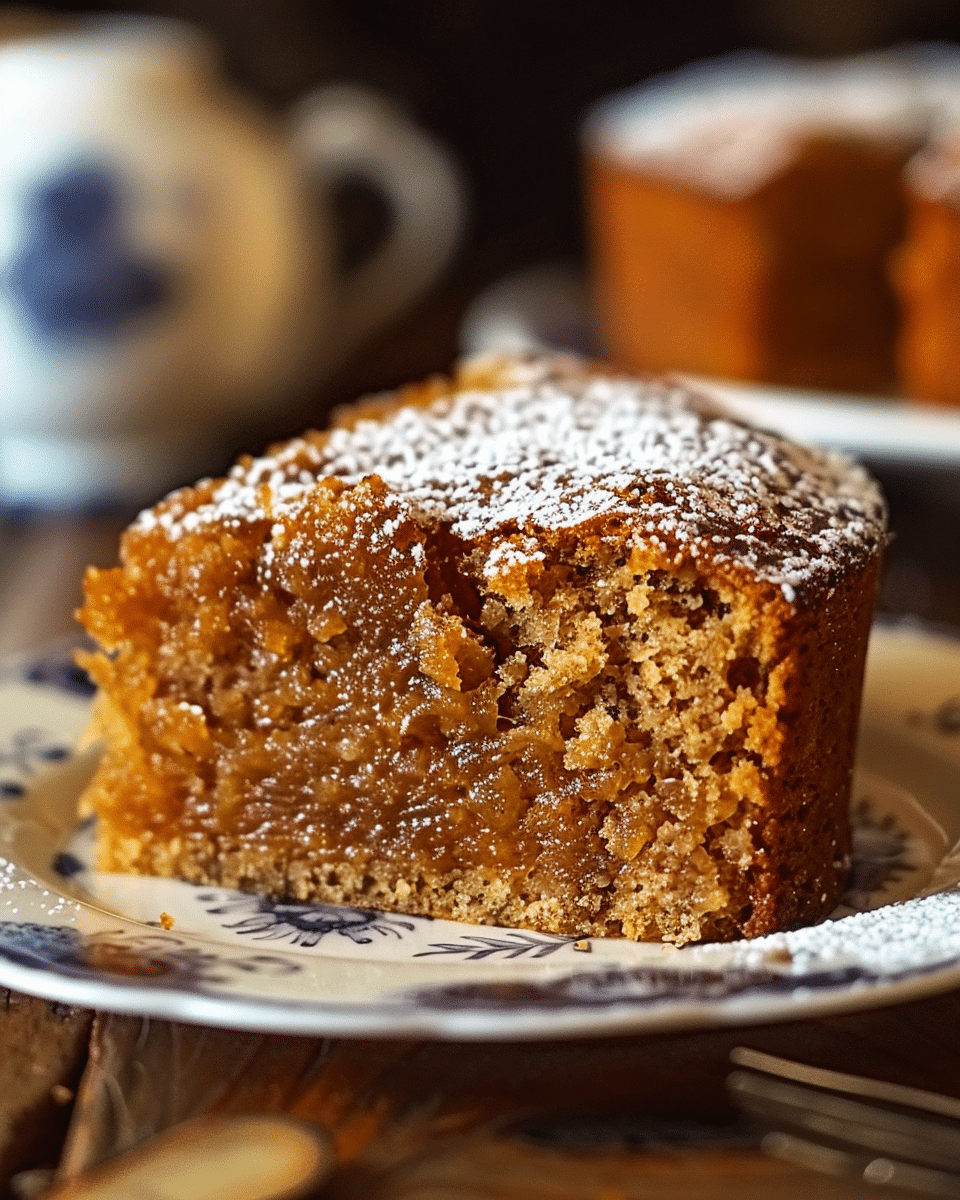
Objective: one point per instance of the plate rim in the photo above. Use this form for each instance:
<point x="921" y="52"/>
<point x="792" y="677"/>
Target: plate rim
<point x="472" y="1025"/>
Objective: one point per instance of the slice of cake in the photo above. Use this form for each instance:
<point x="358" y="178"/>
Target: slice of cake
<point x="539" y="646"/>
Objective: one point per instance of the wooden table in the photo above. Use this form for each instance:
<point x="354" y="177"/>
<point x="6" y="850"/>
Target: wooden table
<point x="611" y="1118"/>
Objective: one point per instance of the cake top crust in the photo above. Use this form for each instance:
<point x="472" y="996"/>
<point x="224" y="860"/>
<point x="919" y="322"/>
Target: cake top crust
<point x="729" y="125"/>
<point x="554" y="447"/>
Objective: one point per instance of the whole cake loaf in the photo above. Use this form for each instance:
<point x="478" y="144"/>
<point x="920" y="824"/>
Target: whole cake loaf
<point x="785" y="220"/>
<point x="540" y="645"/>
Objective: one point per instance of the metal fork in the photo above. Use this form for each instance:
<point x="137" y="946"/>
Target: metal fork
<point x="890" y="1135"/>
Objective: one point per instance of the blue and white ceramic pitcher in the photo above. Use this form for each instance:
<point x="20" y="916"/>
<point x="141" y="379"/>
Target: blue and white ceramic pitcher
<point x="164" y="262"/>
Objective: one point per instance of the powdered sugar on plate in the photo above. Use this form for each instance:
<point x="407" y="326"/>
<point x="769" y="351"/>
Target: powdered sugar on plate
<point x="886" y="941"/>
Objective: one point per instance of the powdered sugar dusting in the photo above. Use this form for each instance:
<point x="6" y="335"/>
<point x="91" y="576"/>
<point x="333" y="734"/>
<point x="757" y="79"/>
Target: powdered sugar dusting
<point x="728" y="125"/>
<point x="556" y="452"/>
<point x="892" y="939"/>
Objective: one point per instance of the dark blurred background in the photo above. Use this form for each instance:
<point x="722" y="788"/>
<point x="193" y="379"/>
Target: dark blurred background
<point x="506" y="83"/>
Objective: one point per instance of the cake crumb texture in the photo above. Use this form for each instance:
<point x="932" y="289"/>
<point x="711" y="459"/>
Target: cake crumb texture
<point x="539" y="646"/>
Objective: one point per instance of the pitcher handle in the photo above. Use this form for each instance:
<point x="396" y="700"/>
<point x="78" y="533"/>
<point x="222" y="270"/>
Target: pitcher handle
<point x="345" y="131"/>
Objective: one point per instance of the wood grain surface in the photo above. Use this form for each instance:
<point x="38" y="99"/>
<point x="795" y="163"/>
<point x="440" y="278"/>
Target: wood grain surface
<point x="611" y="1117"/>
<point x="44" y="1048"/>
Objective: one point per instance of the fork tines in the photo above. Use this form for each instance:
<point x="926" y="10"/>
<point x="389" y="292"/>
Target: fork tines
<point x="891" y="1134"/>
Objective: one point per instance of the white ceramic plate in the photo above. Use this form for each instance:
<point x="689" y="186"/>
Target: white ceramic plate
<point x="881" y="429"/>
<point x="70" y="934"/>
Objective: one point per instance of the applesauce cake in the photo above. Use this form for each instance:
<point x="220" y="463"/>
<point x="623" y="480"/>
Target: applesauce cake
<point x="539" y="645"/>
